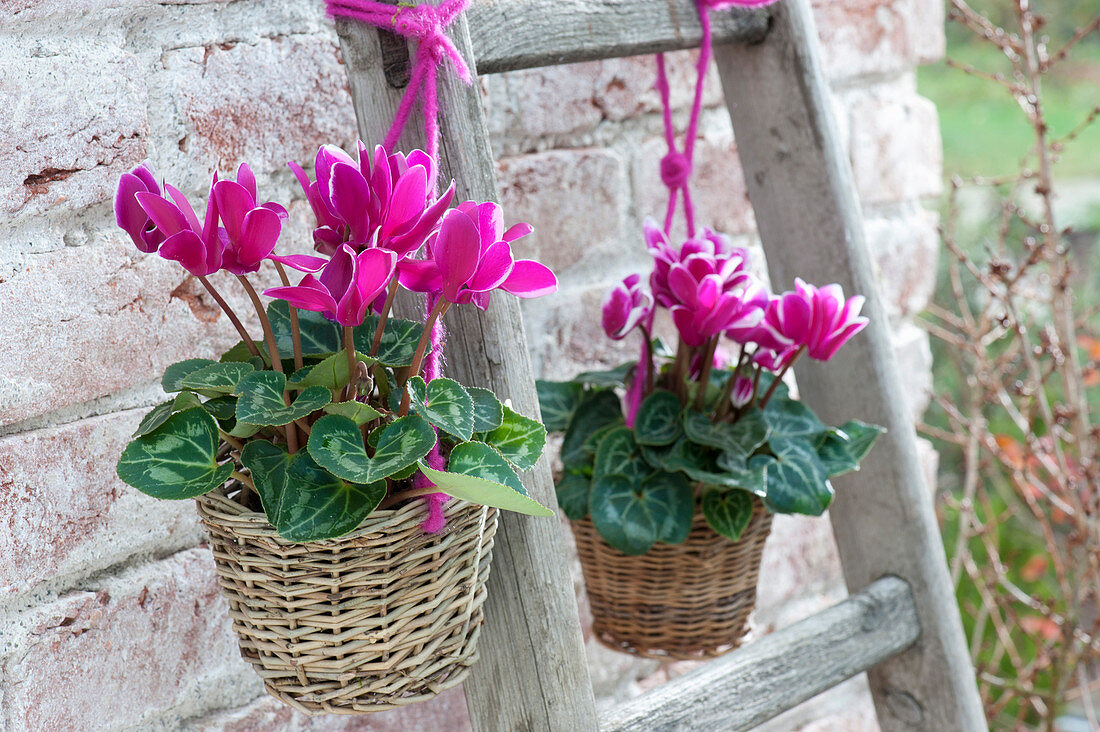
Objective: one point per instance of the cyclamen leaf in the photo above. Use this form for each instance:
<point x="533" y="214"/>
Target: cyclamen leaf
<point x="445" y="404"/>
<point x="633" y="518"/>
<point x="788" y="418"/>
<point x="337" y="445"/>
<point x="261" y="400"/>
<point x="618" y="454"/>
<point x="488" y="411"/>
<point x="319" y="335"/>
<point x="841" y="450"/>
<point x="177" y="460"/>
<point x="519" y="439"/>
<point x="302" y="500"/>
<point x="217" y="378"/>
<point x="399" y="340"/>
<point x="612" y="377"/>
<point x="221" y="408"/>
<point x="727" y="512"/>
<point x="658" y="419"/>
<point x="597" y="410"/>
<point x="241" y="353"/>
<point x="159" y="414"/>
<point x="357" y="412"/>
<point x="177" y="372"/>
<point x="331" y="373"/>
<point x="479" y="474"/>
<point x="740" y="437"/>
<point x="572" y="491"/>
<point x="797" y="480"/>
<point x="558" y="402"/>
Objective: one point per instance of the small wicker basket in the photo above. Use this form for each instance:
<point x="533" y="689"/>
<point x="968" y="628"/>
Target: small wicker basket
<point x="383" y="617"/>
<point x="677" y="601"/>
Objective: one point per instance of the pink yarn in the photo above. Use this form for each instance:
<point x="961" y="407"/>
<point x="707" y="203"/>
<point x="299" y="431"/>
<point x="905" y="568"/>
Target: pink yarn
<point x="426" y="24"/>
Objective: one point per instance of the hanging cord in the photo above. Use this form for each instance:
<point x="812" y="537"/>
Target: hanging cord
<point x="427" y="25"/>
<point x="677" y="166"/>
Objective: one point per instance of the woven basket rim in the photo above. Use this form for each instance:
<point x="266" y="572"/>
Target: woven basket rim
<point x="219" y="506"/>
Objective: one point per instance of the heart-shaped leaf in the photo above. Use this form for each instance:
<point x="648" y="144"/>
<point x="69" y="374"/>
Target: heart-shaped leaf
<point x="319" y="335"/>
<point x="558" y="402"/>
<point x="445" y="404"/>
<point x="241" y="353"/>
<point x="797" y="480"/>
<point x="159" y="414"/>
<point x="479" y="474"/>
<point x="658" y="419"/>
<point x="177" y="460"/>
<point x="597" y="410"/>
<point x="303" y="501"/>
<point x="331" y="373"/>
<point x="519" y="439"/>
<point x="618" y="454"/>
<point x="573" y="490"/>
<point x="399" y="340"/>
<point x="337" y="445"/>
<point x="632" y="518"/>
<point x="222" y="408"/>
<point x="357" y="412"/>
<point x="261" y="400"/>
<point x="488" y="411"/>
<point x="177" y="372"/>
<point x="611" y="377"/>
<point x="217" y="378"/>
<point x="841" y="450"/>
<point x="788" y="418"/>
<point x="727" y="512"/>
<point x="740" y="437"/>
<point x="728" y="471"/>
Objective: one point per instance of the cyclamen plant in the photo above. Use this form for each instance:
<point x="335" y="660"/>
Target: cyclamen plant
<point x="694" y="425"/>
<point x="338" y="410"/>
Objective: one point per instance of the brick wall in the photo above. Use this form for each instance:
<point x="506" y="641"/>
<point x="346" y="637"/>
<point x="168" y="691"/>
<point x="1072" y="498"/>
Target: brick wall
<point x="109" y="611"/>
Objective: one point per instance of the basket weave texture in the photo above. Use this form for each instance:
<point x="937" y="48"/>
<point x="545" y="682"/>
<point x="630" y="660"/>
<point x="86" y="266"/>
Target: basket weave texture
<point x="382" y="617"/>
<point x="677" y="601"/>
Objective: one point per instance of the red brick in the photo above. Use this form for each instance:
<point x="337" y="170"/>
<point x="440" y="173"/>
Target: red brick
<point x="264" y="103"/>
<point x="896" y="151"/>
<point x="64" y="512"/>
<point x="121" y="653"/>
<point x="445" y="712"/>
<point x="905" y="249"/>
<point x="74" y="119"/>
<point x="875" y="37"/>
<point x="575" y="199"/>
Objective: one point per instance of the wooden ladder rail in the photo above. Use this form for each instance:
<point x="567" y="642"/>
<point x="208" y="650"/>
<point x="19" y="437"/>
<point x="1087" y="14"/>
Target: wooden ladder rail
<point x="532" y="674"/>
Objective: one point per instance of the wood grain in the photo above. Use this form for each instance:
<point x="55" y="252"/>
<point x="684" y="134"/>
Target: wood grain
<point x="533" y="673"/>
<point x="755" y="683"/>
<point x="520" y="34"/>
<point x="809" y="218"/>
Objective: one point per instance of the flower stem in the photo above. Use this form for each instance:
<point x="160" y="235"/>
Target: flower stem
<point x="647" y="347"/>
<point x="382" y="317"/>
<point x="727" y="392"/>
<point x="704" y="378"/>
<point x="779" y="378"/>
<point x="440" y="309"/>
<point x="248" y="342"/>
<point x="349" y="349"/>
<point x="295" y="331"/>
<point x="272" y="350"/>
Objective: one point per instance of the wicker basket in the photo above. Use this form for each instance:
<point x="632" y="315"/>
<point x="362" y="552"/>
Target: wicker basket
<point x="383" y="617"/>
<point x="677" y="601"/>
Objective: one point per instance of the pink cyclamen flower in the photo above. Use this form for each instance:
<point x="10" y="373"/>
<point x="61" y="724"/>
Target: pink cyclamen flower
<point x="471" y="255"/>
<point x="251" y="229"/>
<point x="818" y="319"/>
<point x="742" y="391"/>
<point x="347" y="285"/>
<point x="627" y="305"/>
<point x="129" y="214"/>
<point x="722" y="257"/>
<point x="708" y="296"/>
<point x="775" y="360"/>
<point x="386" y="203"/>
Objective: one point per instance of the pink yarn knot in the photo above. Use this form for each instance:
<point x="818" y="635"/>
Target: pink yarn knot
<point x="428" y="24"/>
<point x="675" y="169"/>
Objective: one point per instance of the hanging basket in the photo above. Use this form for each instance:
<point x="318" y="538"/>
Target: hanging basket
<point x="383" y="617"/>
<point x="676" y="601"/>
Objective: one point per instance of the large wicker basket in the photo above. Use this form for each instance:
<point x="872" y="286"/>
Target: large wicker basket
<point x="383" y="617"/>
<point x="677" y="601"/>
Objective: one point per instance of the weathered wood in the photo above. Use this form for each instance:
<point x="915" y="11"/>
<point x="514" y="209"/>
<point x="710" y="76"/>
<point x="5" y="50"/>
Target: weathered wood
<point x="810" y="223"/>
<point x="520" y="34"/>
<point x="533" y="673"/>
<point x="773" y="674"/>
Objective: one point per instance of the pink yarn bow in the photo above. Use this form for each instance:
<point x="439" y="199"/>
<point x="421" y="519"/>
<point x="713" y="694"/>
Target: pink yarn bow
<point x="427" y="24"/>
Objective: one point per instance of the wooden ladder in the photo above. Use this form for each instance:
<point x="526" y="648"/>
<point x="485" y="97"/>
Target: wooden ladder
<point x="900" y="623"/>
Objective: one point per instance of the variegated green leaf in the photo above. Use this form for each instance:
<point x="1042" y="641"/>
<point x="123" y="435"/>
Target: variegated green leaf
<point x="260" y="400"/>
<point x="357" y="412"/>
<point x="479" y="474"/>
<point x="337" y="445"/>
<point x="558" y="402"/>
<point x="488" y="411"/>
<point x="445" y="404"/>
<point x="176" y="460"/>
<point x="217" y="378"/>
<point x="519" y="439"/>
<point x="319" y="335"/>
<point x="727" y="512"/>
<point x="658" y="419"/>
<point x="177" y="372"/>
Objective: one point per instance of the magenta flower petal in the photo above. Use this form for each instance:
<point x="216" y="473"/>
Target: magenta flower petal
<point x="185" y="207"/>
<point x="530" y="279"/>
<point x="327" y="156"/>
<point x="309" y="295"/>
<point x="457" y="252"/>
<point x="407" y="200"/>
<point x="247" y="179"/>
<point x="234" y="202"/>
<point x="131" y="217"/>
<point x="350" y="196"/>
<point x="187" y="248"/>
<point x="494" y="268"/>
<point x="259" y="233"/>
<point x="301" y="262"/>
<point x="517" y="232"/>
<point x="420" y="275"/>
<point x="164" y="214"/>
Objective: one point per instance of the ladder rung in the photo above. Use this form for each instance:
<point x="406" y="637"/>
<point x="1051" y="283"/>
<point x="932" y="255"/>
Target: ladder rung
<point x="781" y="670"/>
<point x="520" y="34"/>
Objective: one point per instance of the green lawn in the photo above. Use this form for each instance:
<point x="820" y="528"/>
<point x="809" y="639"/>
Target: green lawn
<point x="983" y="128"/>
